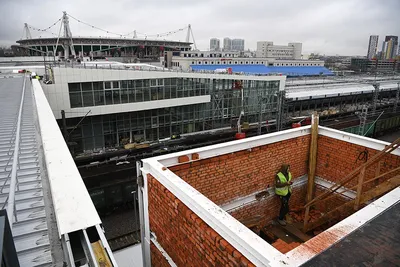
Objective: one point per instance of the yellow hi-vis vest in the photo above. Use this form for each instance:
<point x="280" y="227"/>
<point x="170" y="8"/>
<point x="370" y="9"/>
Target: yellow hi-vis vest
<point x="283" y="191"/>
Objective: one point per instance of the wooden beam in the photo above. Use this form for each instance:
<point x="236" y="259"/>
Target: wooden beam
<point x="346" y="209"/>
<point x="312" y="164"/>
<point x="365" y="182"/>
<point x="359" y="188"/>
<point x="349" y="177"/>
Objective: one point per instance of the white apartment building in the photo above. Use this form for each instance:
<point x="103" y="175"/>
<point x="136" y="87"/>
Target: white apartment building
<point x="269" y="50"/>
<point x="214" y="44"/>
<point x="227" y="44"/>
<point x="237" y="45"/>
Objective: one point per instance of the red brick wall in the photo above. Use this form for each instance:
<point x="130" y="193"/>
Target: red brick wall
<point x="331" y="203"/>
<point x="187" y="239"/>
<point x="336" y="159"/>
<point x="269" y="206"/>
<point x="230" y="176"/>
<point x="157" y="259"/>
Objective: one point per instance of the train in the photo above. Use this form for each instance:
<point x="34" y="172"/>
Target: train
<point x="373" y="128"/>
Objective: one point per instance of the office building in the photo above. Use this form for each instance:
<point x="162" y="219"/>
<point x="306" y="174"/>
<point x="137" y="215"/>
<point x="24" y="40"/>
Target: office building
<point x="389" y="47"/>
<point x="269" y="50"/>
<point x="237" y="45"/>
<point x="372" y="46"/>
<point x="214" y="44"/>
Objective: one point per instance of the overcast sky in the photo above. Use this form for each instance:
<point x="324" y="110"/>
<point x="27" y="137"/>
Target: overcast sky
<point x="327" y="27"/>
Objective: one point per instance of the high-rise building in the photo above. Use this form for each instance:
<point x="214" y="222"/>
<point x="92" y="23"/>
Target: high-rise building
<point x="372" y="46"/>
<point x="389" y="47"/>
<point x="214" y="44"/>
<point x="227" y="44"/>
<point x="237" y="45"/>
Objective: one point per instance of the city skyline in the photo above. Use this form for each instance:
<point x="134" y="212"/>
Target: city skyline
<point x="340" y="27"/>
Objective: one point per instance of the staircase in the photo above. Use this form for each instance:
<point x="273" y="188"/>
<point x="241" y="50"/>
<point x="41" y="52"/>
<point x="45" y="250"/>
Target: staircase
<point x="362" y="197"/>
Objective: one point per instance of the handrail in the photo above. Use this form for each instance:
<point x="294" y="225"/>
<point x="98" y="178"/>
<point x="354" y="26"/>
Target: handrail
<point x="365" y="182"/>
<point x="351" y="175"/>
<point x="13" y="182"/>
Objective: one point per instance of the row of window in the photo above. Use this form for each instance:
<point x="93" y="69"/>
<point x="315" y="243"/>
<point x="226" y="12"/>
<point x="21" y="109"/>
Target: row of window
<point x="130" y="91"/>
<point x="211" y="55"/>
<point x="227" y="62"/>
<point x="251" y="63"/>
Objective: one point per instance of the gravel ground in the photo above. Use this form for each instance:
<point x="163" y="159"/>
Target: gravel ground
<point x="120" y="223"/>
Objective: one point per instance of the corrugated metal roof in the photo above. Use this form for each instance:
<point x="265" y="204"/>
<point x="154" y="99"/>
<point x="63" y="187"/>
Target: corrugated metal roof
<point x="262" y="69"/>
<point x="30" y="227"/>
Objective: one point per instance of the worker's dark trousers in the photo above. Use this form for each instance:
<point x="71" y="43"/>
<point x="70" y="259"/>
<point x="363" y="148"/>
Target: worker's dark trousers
<point x="284" y="206"/>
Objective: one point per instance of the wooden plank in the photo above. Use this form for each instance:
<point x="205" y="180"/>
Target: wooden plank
<point x="359" y="188"/>
<point x="312" y="164"/>
<point x="101" y="255"/>
<point x="346" y="209"/>
<point x="278" y="231"/>
<point x="293" y="230"/>
<point x="251" y="222"/>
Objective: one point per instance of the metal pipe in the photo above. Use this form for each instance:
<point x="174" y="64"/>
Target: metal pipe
<point x="11" y="198"/>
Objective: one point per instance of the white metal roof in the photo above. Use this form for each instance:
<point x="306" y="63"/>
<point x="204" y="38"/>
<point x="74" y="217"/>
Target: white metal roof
<point x="30" y="226"/>
<point x="319" y="91"/>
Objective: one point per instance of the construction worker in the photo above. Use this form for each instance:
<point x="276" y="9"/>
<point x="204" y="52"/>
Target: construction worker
<point x="283" y="190"/>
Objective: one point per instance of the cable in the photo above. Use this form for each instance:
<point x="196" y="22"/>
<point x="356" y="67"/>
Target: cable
<point x="122" y="35"/>
<point x="363" y="156"/>
<point x="94" y="27"/>
<point x="44" y="29"/>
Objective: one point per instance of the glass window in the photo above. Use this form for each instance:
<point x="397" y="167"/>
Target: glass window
<point x="108" y="97"/>
<point x="153" y="82"/>
<point x="87" y="86"/>
<point x="107" y="85"/>
<point x="98" y="86"/>
<point x="75" y="100"/>
<point x="87" y="99"/>
<point x="124" y="96"/>
<point x="167" y="92"/>
<point x="131" y="95"/>
<point x="115" y="84"/>
<point x="116" y="97"/>
<point x="124" y="84"/>
<point x="146" y="94"/>
<point x="154" y="93"/>
<point x="98" y="98"/>
<point x="74" y="87"/>
<point x="139" y="83"/>
<point x="139" y="95"/>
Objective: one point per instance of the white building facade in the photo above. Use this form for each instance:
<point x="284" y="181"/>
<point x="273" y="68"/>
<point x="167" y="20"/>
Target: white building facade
<point x="188" y="58"/>
<point x="267" y="49"/>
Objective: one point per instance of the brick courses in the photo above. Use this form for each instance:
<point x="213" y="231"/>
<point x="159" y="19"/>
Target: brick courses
<point x="187" y="239"/>
<point x="268" y="207"/>
<point x="231" y="176"/>
<point x="336" y="159"/>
